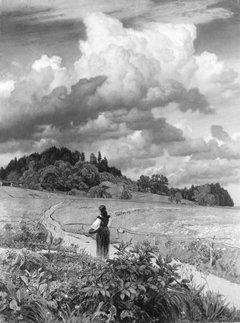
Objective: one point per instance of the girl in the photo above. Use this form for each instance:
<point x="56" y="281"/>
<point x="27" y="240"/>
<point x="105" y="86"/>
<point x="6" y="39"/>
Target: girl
<point x="101" y="227"/>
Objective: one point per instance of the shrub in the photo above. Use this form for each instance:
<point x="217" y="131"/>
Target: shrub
<point x="136" y="284"/>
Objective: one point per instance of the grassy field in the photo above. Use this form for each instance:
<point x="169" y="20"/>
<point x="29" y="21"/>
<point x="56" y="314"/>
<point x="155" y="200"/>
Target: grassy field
<point x="175" y="228"/>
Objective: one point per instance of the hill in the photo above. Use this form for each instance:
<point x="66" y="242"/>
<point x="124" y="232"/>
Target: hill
<point x="61" y="170"/>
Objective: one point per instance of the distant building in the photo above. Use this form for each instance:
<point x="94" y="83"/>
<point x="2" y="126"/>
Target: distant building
<point x="9" y="183"/>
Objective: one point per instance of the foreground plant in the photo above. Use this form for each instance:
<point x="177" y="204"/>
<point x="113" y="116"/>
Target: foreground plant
<point x="137" y="284"/>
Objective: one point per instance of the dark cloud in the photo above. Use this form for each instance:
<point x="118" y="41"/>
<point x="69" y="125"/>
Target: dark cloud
<point x="58" y="109"/>
<point x="195" y="101"/>
<point x="188" y="147"/>
<point x="173" y="91"/>
<point x="24" y="37"/>
<point x="218" y="132"/>
<point x="159" y="131"/>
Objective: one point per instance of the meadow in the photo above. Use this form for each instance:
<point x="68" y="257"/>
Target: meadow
<point x="182" y="231"/>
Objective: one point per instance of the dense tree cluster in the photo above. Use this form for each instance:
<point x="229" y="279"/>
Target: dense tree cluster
<point x="63" y="170"/>
<point x="157" y="184"/>
<point x="58" y="169"/>
<point x="208" y="194"/>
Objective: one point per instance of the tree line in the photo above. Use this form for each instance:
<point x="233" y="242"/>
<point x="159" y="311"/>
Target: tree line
<point x="63" y="170"/>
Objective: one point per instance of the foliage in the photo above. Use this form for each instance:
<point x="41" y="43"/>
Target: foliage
<point x="125" y="195"/>
<point x="178" y="197"/>
<point x="29" y="235"/>
<point x="157" y="184"/>
<point x="58" y="169"/>
<point x="63" y="170"/>
<point x="98" y="192"/>
<point x="138" y="285"/>
<point x="223" y="262"/>
<point x="207" y="306"/>
<point x="207" y="194"/>
<point x="203" y="195"/>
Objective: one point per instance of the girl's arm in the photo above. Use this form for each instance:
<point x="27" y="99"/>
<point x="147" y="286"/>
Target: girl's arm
<point x="95" y="226"/>
<point x="109" y="222"/>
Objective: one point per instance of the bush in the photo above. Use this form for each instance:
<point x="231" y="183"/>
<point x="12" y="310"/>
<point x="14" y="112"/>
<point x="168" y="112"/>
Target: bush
<point x="136" y="285"/>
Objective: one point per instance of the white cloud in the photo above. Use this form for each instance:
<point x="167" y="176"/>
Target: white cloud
<point x="186" y="129"/>
<point x="60" y="74"/>
<point x="212" y="74"/>
<point x="6" y="88"/>
<point x="133" y="61"/>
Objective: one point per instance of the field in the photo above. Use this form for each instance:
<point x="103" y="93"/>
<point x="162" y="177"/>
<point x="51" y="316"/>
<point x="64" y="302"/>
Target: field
<point x="183" y="230"/>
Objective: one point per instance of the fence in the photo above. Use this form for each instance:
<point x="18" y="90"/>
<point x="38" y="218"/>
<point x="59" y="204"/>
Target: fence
<point x="122" y="234"/>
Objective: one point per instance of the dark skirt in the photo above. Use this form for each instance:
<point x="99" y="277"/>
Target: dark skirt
<point x="103" y="241"/>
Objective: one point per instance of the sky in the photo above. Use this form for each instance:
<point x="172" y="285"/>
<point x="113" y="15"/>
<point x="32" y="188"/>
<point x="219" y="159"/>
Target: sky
<point x="151" y="84"/>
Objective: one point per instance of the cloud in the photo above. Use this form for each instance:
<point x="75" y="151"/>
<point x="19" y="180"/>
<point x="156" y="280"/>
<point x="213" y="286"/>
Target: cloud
<point x="218" y="132"/>
<point x="143" y="68"/>
<point x="188" y="147"/>
<point x="174" y="91"/>
<point x="58" y="109"/>
<point x="202" y="172"/>
<point x="6" y="88"/>
<point x="211" y="74"/>
<point x="195" y="12"/>
<point x="119" y="68"/>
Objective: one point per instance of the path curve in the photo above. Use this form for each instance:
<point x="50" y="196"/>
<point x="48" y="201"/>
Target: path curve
<point x="69" y="238"/>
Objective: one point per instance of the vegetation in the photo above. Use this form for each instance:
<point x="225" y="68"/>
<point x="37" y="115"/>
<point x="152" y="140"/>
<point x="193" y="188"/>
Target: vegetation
<point x="62" y="170"/>
<point x="58" y="169"/>
<point x="208" y="194"/>
<point x="138" y="285"/>
<point x="221" y="261"/>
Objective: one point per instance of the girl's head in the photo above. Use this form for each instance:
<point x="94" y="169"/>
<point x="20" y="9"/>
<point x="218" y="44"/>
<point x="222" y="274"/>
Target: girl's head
<point x="102" y="209"/>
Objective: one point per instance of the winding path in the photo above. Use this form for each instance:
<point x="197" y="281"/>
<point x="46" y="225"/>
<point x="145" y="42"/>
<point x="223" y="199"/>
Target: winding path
<point x="69" y="238"/>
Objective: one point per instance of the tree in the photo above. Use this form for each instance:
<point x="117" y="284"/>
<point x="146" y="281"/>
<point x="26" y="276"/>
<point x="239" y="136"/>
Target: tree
<point x="99" y="157"/>
<point x="143" y="183"/>
<point x="159" y="184"/>
<point x="2" y="173"/>
<point x="202" y="195"/>
<point x="125" y="195"/>
<point x="90" y="175"/>
<point x="50" y="178"/>
<point x="178" y="197"/>
<point x="13" y="176"/>
<point x="93" y="159"/>
<point x="105" y="161"/>
<point x="82" y="157"/>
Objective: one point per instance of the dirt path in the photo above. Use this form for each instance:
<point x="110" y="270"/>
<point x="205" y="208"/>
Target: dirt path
<point x="230" y="290"/>
<point x="69" y="238"/>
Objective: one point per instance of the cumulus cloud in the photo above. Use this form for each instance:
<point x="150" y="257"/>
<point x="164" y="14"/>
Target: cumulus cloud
<point x="118" y="69"/>
<point x="211" y="74"/>
<point x="59" y="109"/>
<point x="143" y="68"/>
<point x="173" y="91"/>
<point x="218" y="132"/>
